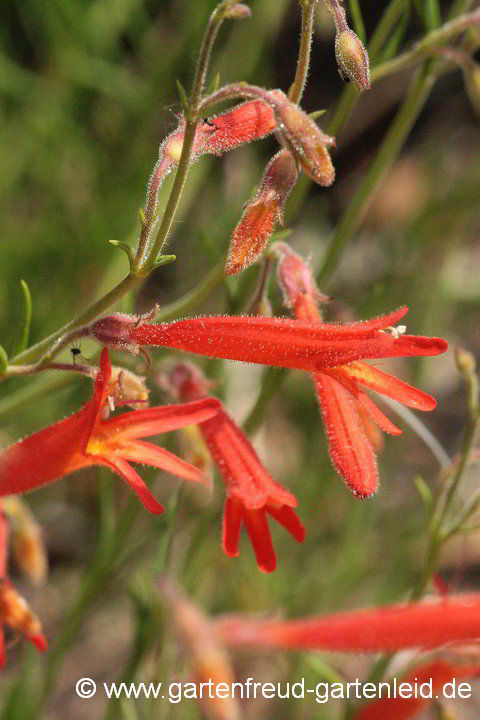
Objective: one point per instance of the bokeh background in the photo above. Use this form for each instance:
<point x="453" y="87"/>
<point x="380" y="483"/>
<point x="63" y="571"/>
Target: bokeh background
<point x="87" y="93"/>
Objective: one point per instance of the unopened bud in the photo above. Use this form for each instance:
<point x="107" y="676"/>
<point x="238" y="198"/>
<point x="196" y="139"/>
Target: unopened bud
<point x="352" y="59"/>
<point x="238" y="12"/>
<point x="185" y="382"/>
<point x="15" y="613"/>
<point x="262" y="212"/>
<point x="208" y="658"/>
<point x="296" y="279"/>
<point x="127" y="388"/>
<point x="26" y="540"/>
<point x="306" y="141"/>
<point x="466" y="362"/>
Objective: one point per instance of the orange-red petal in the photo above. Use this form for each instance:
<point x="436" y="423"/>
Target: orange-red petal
<point x="350" y="450"/>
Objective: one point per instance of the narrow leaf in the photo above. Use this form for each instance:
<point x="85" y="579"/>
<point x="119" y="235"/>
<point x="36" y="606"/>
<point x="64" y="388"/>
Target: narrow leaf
<point x="24" y="329"/>
<point x="424" y="492"/>
<point x="164" y="260"/>
<point x="432" y="13"/>
<point x="183" y="96"/>
<point x="126" y="249"/>
<point x="357" y="19"/>
<point x="215" y="84"/>
<point x="391" y="48"/>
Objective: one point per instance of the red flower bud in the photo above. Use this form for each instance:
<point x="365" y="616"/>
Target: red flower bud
<point x="352" y="59"/>
<point x="262" y="212"/>
<point x="238" y="12"/>
<point x="302" y="136"/>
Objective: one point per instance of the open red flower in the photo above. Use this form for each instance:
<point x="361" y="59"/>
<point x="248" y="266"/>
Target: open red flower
<point x="345" y="406"/>
<point x="252" y="494"/>
<point x="86" y="438"/>
<point x="329" y="350"/>
<point x="281" y="342"/>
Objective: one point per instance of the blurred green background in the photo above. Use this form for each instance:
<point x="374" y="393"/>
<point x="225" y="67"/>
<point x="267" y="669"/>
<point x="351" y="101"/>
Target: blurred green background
<point x="87" y="93"/>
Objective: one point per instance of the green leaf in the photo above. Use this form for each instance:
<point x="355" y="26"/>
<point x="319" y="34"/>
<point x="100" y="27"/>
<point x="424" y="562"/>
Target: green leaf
<point x="126" y="248"/>
<point x="316" y="114"/>
<point x="357" y="19"/>
<point x="424" y="492"/>
<point x="215" y="84"/>
<point x="183" y="97"/>
<point x="391" y="48"/>
<point x="3" y="360"/>
<point x="164" y="260"/>
<point x="24" y="329"/>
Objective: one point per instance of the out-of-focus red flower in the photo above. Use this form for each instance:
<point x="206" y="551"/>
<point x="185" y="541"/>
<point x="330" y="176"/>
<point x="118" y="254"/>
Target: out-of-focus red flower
<point x="87" y="438"/>
<point x="252" y="494"/>
<point x="262" y="212"/>
<point x="207" y="657"/>
<point x="339" y="388"/>
<point x="437" y="673"/>
<point x="26" y="540"/>
<point x="424" y="625"/>
<point x="14" y="611"/>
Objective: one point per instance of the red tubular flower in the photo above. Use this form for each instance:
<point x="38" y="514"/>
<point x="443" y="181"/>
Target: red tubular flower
<point x="281" y="342"/>
<point x="424" y="625"/>
<point x="86" y="438"/>
<point x="243" y="123"/>
<point x="339" y="387"/>
<point x="252" y="494"/>
<point x="262" y="212"/>
<point x="436" y="673"/>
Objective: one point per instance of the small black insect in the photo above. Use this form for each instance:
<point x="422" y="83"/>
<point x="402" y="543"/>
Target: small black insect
<point x="75" y="352"/>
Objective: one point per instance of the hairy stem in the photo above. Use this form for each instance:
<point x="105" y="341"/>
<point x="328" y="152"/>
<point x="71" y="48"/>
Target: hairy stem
<point x="308" y="18"/>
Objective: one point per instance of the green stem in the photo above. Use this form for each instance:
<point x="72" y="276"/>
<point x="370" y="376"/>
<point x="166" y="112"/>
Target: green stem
<point x="216" y="19"/>
<point x="423" y="47"/>
<point x="384" y="159"/>
<point x="39" y="349"/>
<point x="308" y="16"/>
